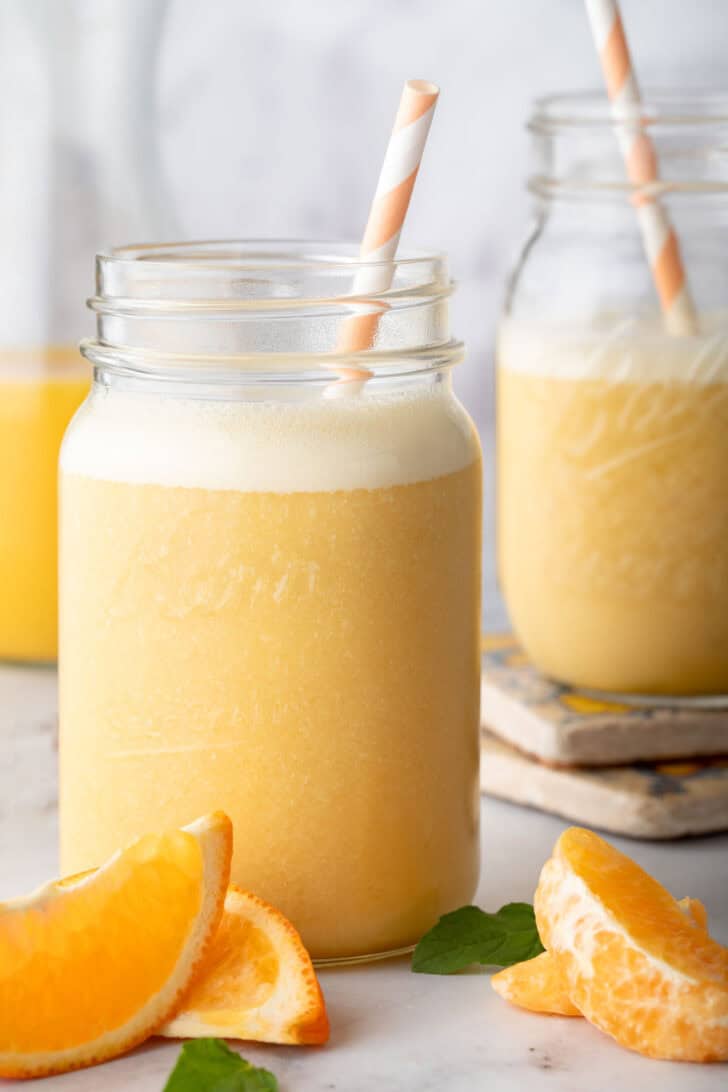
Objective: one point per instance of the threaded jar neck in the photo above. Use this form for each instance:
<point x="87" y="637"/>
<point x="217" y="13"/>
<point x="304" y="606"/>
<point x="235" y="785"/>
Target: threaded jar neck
<point x="270" y="310"/>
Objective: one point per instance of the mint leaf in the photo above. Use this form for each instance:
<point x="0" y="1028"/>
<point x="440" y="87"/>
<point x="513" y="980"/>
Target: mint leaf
<point x="470" y="935"/>
<point x="208" y="1065"/>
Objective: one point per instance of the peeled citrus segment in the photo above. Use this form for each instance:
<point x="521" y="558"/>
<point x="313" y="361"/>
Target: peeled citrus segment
<point x="90" y="968"/>
<point x="695" y="911"/>
<point x="539" y="984"/>
<point x="634" y="963"/>
<point x="536" y="984"/>
<point x="258" y="981"/>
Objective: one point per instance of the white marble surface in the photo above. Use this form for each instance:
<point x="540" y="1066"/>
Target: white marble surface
<point x="391" y="1029"/>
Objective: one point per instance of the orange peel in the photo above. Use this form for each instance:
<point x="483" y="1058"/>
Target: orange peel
<point x="258" y="981"/>
<point x="90" y="968"/>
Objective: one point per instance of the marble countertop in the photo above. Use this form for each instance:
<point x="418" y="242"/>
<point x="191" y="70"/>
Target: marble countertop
<point x="391" y="1030"/>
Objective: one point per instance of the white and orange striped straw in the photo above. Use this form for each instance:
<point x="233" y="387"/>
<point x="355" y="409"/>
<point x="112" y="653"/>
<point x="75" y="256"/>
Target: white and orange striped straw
<point x="389" y="207"/>
<point x="660" y="241"/>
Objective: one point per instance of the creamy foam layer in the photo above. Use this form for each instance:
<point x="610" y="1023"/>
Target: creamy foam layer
<point x="370" y="441"/>
<point x="620" y="350"/>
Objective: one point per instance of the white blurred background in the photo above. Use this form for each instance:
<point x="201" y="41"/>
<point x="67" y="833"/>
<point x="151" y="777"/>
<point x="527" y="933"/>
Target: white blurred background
<point x="275" y="113"/>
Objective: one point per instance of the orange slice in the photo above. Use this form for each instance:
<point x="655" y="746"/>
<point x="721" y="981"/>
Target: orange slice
<point x="539" y="985"/>
<point x="91" y="968"/>
<point x="258" y="982"/>
<point x="633" y="962"/>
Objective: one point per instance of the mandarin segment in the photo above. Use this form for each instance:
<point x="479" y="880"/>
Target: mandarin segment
<point x="91" y="968"/>
<point x="696" y="911"/>
<point x="540" y="986"/>
<point x="634" y="963"/>
<point x="537" y="985"/>
<point x="258" y="981"/>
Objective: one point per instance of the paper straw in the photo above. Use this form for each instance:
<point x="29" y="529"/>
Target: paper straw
<point x="658" y="235"/>
<point x="386" y="216"/>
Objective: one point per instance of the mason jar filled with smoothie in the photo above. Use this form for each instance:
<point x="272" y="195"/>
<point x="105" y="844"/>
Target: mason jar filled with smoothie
<point x="612" y="376"/>
<point x="270" y="584"/>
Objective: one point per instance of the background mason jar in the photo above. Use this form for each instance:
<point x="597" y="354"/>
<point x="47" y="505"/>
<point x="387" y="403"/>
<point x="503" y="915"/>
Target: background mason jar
<point x="79" y="169"/>
<point x="612" y="434"/>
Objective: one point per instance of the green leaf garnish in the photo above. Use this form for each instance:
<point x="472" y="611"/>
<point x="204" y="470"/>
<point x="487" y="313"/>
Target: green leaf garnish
<point x="470" y="935"/>
<point x="209" y="1065"/>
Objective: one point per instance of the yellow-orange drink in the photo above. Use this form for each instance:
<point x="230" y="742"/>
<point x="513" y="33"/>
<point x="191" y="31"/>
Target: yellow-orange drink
<point x="39" y="393"/>
<point x="273" y="609"/>
<point x="613" y="517"/>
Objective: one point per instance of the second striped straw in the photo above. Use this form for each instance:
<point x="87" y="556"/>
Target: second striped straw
<point x="658" y="234"/>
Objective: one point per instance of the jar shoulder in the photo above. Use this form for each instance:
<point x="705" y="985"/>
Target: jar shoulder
<point x="578" y="260"/>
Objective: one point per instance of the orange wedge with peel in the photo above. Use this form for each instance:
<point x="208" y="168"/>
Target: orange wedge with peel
<point x="633" y="962"/>
<point x="258" y="981"/>
<point x="90" y="968"/>
<point x="539" y="985"/>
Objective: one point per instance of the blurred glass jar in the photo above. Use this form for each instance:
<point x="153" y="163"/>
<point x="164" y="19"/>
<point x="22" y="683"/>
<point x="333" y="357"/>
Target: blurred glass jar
<point x="78" y="170"/>
<point x="613" y="434"/>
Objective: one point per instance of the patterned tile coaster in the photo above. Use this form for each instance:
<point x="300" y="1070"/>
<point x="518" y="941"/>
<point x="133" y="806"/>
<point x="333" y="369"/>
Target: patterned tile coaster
<point x="660" y="800"/>
<point x="562" y="727"/>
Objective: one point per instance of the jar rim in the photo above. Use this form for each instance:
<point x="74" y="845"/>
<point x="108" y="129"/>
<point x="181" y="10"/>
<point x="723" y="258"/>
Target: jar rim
<point x="122" y="270"/>
<point x="257" y="252"/>
<point x="660" y="106"/>
<point x="273" y="306"/>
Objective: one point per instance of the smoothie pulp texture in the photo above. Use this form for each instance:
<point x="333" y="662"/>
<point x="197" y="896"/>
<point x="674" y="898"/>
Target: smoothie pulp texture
<point x="282" y="606"/>
<point x="613" y="510"/>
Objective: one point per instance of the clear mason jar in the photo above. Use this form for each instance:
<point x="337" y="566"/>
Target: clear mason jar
<point x="612" y="433"/>
<point x="270" y="584"/>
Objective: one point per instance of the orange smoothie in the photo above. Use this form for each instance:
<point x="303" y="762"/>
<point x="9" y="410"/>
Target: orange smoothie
<point x="613" y="511"/>
<point x="274" y="610"/>
<point x="39" y="393"/>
